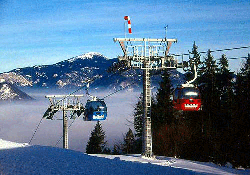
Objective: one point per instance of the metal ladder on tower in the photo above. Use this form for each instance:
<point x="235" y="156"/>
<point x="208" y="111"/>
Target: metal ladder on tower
<point x="147" y="113"/>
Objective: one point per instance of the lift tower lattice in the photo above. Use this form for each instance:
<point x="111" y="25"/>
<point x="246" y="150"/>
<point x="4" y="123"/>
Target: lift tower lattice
<point x="146" y="54"/>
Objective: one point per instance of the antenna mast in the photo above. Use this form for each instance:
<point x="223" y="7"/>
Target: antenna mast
<point x="166" y="29"/>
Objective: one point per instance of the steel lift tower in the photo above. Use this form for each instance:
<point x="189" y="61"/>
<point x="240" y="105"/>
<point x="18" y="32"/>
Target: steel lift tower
<point x="146" y="54"/>
<point x="68" y="104"/>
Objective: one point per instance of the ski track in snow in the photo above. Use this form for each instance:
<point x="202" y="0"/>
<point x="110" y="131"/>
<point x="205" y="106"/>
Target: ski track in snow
<point x="19" y="158"/>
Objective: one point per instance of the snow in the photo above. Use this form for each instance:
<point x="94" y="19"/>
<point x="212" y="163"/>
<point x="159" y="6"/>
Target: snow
<point x="193" y="166"/>
<point x="88" y="55"/>
<point x="19" y="158"/>
<point x="4" y="144"/>
<point x="6" y="92"/>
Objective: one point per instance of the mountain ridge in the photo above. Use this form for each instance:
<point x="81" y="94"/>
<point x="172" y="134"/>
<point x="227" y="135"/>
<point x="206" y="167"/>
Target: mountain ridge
<point x="75" y="71"/>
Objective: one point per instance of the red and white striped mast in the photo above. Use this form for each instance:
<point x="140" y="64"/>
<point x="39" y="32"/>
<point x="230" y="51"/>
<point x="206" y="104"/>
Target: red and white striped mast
<point x="127" y="18"/>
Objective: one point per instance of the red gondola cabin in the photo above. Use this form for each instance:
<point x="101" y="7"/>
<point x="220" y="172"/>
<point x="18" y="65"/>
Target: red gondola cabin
<point x="187" y="98"/>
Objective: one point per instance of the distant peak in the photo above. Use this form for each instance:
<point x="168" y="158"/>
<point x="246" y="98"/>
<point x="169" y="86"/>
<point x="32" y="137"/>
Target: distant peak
<point x="88" y="55"/>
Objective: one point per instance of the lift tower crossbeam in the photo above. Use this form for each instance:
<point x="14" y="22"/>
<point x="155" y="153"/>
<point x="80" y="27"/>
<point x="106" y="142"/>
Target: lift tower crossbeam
<point x="147" y="54"/>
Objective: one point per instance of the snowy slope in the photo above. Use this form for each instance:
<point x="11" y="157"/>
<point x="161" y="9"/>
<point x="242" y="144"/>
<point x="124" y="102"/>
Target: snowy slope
<point x="20" y="159"/>
<point x="4" y="144"/>
<point x="193" y="166"/>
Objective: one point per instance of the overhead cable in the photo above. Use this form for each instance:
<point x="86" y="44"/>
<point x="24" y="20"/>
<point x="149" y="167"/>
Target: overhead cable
<point x="218" y="50"/>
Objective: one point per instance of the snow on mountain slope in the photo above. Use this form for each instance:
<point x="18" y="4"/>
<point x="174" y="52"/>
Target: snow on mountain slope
<point x="25" y="159"/>
<point x="88" y="55"/>
<point x="14" y="78"/>
<point x="10" y="92"/>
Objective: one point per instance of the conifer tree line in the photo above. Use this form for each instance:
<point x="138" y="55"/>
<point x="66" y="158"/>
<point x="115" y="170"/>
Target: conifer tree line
<point x="218" y="133"/>
<point x="98" y="145"/>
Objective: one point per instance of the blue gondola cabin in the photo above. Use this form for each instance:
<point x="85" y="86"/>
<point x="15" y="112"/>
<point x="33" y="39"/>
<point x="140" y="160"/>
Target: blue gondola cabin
<point x="95" y="110"/>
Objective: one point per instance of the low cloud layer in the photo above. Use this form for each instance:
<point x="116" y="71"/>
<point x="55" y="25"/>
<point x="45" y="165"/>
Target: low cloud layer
<point x="20" y="119"/>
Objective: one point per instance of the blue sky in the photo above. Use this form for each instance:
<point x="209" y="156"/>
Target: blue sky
<point x="35" y="32"/>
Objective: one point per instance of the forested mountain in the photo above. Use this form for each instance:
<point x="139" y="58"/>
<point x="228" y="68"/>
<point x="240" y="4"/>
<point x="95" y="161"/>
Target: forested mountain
<point x="75" y="71"/>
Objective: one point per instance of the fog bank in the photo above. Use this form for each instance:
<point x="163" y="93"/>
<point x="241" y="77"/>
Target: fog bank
<point x="20" y="119"/>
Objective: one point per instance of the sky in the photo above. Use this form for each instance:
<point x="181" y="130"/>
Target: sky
<point x="38" y="32"/>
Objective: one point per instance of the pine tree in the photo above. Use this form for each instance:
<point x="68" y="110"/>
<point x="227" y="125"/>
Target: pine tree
<point x="208" y="80"/>
<point x="211" y="100"/>
<point x="240" y="140"/>
<point x="162" y="117"/>
<point x="129" y="143"/>
<point x="223" y="64"/>
<point x="138" y="125"/>
<point x="96" y="143"/>
<point x="116" y="149"/>
<point x="226" y="106"/>
<point x="195" y="59"/>
<point x="162" y="112"/>
<point x="196" y="54"/>
<point x="225" y="87"/>
<point x="138" y="117"/>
